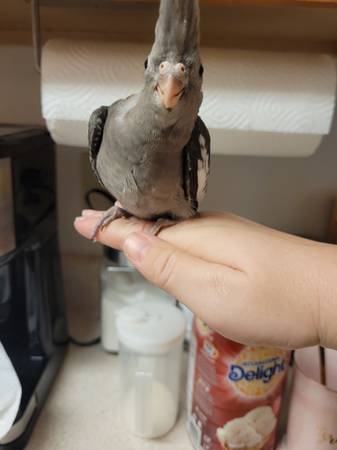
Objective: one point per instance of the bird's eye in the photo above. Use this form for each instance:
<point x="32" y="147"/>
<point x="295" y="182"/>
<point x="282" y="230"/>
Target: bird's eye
<point x="145" y="63"/>
<point x="201" y="70"/>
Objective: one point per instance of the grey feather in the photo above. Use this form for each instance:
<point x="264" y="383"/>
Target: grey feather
<point x="177" y="28"/>
<point x="197" y="154"/>
<point x="95" y="135"/>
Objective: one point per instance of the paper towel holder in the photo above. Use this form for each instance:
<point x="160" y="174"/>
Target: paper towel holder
<point x="36" y="25"/>
<point x="36" y="33"/>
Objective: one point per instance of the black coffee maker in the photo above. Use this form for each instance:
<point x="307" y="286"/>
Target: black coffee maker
<point x="32" y="318"/>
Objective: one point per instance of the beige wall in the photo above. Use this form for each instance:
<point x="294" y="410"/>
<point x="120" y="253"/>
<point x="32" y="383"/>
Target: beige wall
<point x="291" y="194"/>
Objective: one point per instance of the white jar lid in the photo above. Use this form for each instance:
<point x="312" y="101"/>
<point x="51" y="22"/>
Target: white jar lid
<point x="150" y="327"/>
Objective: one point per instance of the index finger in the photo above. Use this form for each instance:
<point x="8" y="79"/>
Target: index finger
<point x="112" y="235"/>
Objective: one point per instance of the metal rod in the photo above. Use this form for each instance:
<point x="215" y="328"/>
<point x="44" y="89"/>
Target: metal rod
<point x="36" y="33"/>
<point x="94" y="3"/>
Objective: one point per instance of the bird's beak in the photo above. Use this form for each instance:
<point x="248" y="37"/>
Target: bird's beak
<point x="170" y="90"/>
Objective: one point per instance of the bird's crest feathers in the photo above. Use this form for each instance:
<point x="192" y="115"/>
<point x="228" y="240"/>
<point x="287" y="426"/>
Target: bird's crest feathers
<point x="177" y="28"/>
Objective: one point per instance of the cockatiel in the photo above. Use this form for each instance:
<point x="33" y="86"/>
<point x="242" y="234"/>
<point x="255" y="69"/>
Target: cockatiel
<point x="151" y="151"/>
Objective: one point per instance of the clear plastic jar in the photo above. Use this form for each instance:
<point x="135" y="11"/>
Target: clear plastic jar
<point x="150" y="342"/>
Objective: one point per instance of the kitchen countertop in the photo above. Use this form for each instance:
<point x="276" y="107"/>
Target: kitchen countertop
<point x="81" y="412"/>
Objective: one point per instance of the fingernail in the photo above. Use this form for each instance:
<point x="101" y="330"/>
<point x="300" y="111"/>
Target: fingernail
<point x="79" y="218"/>
<point x="135" y="246"/>
<point x="88" y="212"/>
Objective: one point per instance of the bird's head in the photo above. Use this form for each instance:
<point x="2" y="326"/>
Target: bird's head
<point x="175" y="82"/>
<point x="173" y="71"/>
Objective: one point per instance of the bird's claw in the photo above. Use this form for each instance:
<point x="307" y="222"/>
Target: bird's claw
<point x="113" y="213"/>
<point x="159" y="225"/>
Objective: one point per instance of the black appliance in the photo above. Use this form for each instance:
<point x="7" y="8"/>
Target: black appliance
<point x="33" y="327"/>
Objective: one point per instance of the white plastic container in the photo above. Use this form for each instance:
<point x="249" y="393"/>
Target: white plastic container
<point x="150" y="341"/>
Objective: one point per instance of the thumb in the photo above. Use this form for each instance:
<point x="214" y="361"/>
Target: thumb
<point x="189" y="279"/>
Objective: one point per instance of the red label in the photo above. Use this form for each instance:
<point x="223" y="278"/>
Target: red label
<point x="234" y="391"/>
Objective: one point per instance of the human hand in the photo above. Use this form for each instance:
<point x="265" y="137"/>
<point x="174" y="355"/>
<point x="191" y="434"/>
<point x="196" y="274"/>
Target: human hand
<point x="252" y="284"/>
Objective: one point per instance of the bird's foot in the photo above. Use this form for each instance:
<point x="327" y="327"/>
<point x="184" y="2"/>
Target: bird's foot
<point x="159" y="224"/>
<point x="113" y="213"/>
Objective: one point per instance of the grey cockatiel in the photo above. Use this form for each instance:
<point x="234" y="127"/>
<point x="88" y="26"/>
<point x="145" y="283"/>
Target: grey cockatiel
<point x="151" y="151"/>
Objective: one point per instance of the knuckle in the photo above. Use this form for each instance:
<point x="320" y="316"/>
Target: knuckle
<point x="164" y="268"/>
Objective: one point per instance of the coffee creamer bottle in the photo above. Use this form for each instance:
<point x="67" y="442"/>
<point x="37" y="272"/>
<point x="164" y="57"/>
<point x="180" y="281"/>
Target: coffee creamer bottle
<point x="234" y="392"/>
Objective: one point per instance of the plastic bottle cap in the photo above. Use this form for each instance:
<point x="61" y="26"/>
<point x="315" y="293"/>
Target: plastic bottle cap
<point x="150" y="327"/>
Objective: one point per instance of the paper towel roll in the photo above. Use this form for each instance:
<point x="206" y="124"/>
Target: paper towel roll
<point x="255" y="103"/>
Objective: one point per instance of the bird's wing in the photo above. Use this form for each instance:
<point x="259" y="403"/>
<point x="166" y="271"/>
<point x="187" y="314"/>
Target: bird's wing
<point x="95" y="135"/>
<point x="196" y="164"/>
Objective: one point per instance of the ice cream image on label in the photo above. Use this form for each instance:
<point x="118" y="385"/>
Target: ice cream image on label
<point x="250" y="432"/>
